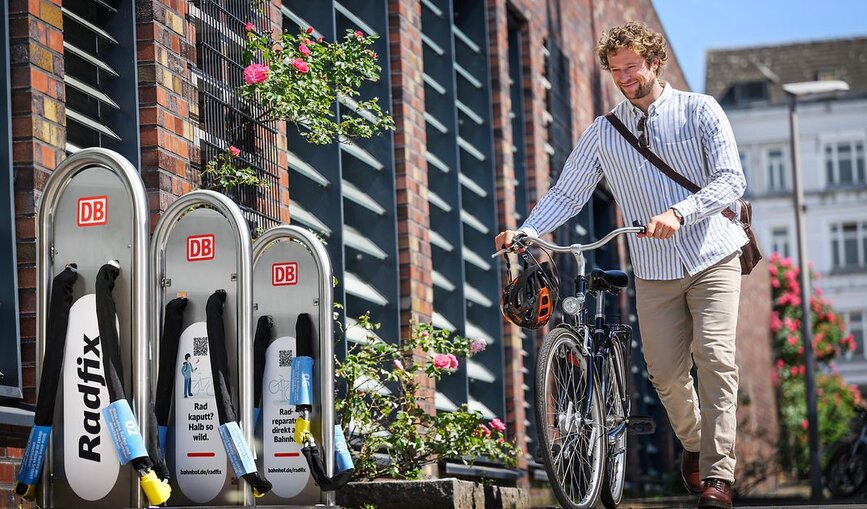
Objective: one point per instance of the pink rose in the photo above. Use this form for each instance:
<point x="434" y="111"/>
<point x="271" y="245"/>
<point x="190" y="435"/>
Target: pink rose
<point x="255" y="74"/>
<point x="309" y="30"/>
<point x="249" y="27"/>
<point x="304" y="50"/>
<point x="453" y="361"/>
<point x="301" y="65"/>
<point x="805" y="424"/>
<point x="398" y="365"/>
<point x="476" y="346"/>
<point x="498" y="425"/>
<point x="359" y="34"/>
<point x="441" y="361"/>
<point x="235" y="151"/>
<point x="319" y="39"/>
<point x="483" y="431"/>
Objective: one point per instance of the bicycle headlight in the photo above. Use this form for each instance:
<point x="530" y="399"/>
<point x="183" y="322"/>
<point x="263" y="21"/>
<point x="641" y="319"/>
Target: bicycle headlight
<point x="572" y="305"/>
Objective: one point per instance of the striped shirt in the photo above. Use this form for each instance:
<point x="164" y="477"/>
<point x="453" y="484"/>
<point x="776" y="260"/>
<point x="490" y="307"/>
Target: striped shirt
<point x="691" y="133"/>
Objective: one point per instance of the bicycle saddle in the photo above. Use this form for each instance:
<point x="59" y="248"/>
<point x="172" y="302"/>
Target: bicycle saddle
<point x="608" y="280"/>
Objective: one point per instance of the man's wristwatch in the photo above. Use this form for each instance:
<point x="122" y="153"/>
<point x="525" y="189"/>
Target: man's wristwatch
<point x="678" y="215"/>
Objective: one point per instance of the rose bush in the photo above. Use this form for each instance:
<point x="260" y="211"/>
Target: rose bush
<point x="297" y="79"/>
<point x="836" y="401"/>
<point x="226" y="172"/>
<point x="380" y="406"/>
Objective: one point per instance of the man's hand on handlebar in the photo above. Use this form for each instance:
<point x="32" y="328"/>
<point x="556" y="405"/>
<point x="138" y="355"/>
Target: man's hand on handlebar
<point x="506" y="240"/>
<point x="662" y="226"/>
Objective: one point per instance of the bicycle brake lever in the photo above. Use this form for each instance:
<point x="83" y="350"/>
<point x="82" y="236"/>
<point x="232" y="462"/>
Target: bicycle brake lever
<point x="637" y="224"/>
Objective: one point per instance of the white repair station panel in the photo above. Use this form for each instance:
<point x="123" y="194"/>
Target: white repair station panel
<point x="93" y="209"/>
<point x="201" y="245"/>
<point x="292" y="275"/>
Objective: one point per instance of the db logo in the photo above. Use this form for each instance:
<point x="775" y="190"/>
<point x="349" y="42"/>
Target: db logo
<point x="284" y="274"/>
<point x="92" y="211"/>
<point x="200" y="247"/>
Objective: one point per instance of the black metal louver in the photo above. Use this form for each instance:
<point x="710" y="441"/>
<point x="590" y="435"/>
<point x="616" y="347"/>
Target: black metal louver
<point x="100" y="76"/>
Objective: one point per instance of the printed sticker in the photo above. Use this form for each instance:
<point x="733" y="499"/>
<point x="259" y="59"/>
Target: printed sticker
<point x="201" y="247"/>
<point x="92" y="211"/>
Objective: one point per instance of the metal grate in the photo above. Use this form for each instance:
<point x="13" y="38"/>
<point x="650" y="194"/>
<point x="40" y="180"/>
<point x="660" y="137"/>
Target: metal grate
<point x="225" y="119"/>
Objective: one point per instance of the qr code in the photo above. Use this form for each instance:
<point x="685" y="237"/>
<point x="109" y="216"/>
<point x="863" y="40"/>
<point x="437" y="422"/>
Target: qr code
<point x="285" y="358"/>
<point x="200" y="346"/>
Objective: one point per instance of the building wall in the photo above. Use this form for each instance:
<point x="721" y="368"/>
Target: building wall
<point x="761" y="129"/>
<point x="170" y="149"/>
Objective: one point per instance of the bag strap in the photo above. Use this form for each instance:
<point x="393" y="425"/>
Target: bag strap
<point x="657" y="161"/>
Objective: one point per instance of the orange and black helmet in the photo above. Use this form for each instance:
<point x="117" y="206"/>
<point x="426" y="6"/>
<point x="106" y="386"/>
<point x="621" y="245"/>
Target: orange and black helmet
<point x="529" y="299"/>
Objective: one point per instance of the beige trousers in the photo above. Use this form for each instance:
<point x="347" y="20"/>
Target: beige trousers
<point x="696" y="315"/>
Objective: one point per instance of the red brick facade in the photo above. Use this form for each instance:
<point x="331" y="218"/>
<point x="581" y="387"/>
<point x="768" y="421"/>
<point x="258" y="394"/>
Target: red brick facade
<point x="411" y="184"/>
<point x="168" y="107"/>
<point x="165" y="42"/>
<point x="38" y="139"/>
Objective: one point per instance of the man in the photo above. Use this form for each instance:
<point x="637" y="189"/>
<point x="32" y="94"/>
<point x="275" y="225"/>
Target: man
<point x="187" y="370"/>
<point x="686" y="265"/>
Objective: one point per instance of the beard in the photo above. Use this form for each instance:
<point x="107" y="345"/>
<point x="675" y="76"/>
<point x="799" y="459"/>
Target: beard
<point x="644" y="88"/>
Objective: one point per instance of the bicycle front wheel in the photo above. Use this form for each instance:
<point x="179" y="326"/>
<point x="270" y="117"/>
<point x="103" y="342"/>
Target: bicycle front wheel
<point x="615" y="420"/>
<point x="571" y="431"/>
<point x="846" y="471"/>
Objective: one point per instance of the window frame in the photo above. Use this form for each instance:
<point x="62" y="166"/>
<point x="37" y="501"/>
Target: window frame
<point x="11" y="382"/>
<point x="782" y="169"/>
<point x="838" y="237"/>
<point x="832" y="174"/>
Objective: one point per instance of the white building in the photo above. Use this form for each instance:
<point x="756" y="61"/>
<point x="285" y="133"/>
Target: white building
<point x="832" y="136"/>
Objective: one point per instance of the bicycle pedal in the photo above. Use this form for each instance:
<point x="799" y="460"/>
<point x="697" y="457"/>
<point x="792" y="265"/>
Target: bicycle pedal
<point x="642" y="425"/>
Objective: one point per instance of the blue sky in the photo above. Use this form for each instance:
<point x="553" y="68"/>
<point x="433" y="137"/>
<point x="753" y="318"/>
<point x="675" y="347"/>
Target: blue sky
<point x="694" y="26"/>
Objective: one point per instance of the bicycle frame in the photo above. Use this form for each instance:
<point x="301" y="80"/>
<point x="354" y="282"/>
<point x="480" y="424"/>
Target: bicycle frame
<point x="598" y="345"/>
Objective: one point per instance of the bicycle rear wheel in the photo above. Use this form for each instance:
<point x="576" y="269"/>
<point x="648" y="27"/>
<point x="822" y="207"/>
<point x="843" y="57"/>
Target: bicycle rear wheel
<point x="571" y="437"/>
<point x="615" y="420"/>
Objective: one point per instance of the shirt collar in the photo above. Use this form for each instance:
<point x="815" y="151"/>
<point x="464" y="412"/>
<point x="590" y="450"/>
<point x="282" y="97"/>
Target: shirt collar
<point x="666" y="93"/>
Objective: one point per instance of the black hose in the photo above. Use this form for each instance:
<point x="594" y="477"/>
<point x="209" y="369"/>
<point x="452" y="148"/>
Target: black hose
<point x="52" y="362"/>
<point x="223" y="395"/>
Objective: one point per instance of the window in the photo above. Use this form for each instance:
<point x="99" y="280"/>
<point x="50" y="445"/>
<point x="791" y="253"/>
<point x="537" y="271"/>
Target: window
<point x="776" y="170"/>
<point x="747" y="92"/>
<point x="745" y="163"/>
<point x="855" y="325"/>
<point x="780" y="241"/>
<point x="10" y="350"/>
<point x="849" y="245"/>
<point x="844" y="163"/>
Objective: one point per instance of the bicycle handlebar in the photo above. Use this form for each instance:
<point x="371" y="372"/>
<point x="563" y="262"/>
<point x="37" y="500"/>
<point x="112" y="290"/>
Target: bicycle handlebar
<point x="523" y="241"/>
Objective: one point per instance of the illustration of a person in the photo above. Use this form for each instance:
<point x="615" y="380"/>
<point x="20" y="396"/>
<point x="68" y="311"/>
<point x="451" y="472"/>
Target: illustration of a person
<point x="187" y="370"/>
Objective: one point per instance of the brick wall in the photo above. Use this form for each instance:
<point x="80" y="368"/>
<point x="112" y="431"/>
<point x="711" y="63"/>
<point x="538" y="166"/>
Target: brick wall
<point x="411" y="184"/>
<point x="165" y="42"/>
<point x="38" y="140"/>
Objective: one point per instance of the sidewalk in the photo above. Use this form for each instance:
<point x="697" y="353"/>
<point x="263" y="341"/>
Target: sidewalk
<point x="754" y="503"/>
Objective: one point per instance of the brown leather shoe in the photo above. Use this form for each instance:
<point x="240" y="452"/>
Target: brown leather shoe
<point x="717" y="494"/>
<point x="689" y="472"/>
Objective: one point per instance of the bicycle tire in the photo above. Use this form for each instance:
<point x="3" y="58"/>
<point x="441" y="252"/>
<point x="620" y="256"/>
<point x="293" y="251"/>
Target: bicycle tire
<point x="616" y="433"/>
<point x="561" y="382"/>
<point x="845" y="473"/>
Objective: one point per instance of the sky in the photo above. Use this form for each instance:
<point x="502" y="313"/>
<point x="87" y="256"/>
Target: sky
<point x="694" y="26"/>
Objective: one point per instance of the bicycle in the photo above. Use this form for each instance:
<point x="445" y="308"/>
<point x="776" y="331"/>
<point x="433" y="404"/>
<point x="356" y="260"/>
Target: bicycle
<point x="846" y="470"/>
<point x="582" y="398"/>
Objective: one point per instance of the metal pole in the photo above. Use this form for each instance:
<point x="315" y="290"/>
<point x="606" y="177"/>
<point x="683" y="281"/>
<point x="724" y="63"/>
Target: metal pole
<point x="806" y="319"/>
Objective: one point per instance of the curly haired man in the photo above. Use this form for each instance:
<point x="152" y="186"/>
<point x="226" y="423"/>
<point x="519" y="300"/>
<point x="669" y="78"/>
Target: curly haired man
<point x="686" y="265"/>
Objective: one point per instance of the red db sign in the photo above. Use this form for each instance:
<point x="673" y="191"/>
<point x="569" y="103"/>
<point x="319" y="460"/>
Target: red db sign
<point x="284" y="274"/>
<point x="200" y="247"/>
<point x="92" y="211"/>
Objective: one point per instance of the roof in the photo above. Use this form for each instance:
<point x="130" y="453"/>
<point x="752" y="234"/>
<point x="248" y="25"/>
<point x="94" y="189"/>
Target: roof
<point x="741" y="76"/>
